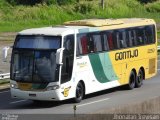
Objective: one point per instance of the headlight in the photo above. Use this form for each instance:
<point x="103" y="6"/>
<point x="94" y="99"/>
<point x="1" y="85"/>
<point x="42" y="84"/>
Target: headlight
<point x="53" y="87"/>
<point x="14" y="86"/>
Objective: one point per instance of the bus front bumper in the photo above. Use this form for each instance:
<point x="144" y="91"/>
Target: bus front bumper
<point x="52" y="95"/>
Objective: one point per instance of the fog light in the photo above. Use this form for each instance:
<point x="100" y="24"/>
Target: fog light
<point x="53" y="87"/>
<point x="13" y="86"/>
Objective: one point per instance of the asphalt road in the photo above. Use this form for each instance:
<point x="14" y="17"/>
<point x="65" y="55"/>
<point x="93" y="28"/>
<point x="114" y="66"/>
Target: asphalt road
<point x="92" y="103"/>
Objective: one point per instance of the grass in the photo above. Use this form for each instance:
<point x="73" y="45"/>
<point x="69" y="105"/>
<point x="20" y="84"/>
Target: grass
<point x="158" y="35"/>
<point x="151" y="106"/>
<point x="147" y="107"/>
<point x="4" y="81"/>
<point x="16" y="18"/>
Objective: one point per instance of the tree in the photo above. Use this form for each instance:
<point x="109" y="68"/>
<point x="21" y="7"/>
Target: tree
<point x="102" y="4"/>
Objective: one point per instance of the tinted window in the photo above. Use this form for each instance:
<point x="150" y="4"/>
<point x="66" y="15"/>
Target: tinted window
<point x="140" y="36"/>
<point x="115" y="39"/>
<point x="39" y="42"/>
<point x="132" y="37"/>
<point x="82" y="44"/>
<point x="150" y="34"/>
<point x="121" y="39"/>
<point x="105" y="43"/>
<point x="97" y="42"/>
<point x="110" y="40"/>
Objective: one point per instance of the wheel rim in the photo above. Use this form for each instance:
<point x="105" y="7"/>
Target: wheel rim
<point x="79" y="91"/>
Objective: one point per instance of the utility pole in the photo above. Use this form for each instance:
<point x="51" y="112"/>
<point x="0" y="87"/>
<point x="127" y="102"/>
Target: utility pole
<point x="102" y="4"/>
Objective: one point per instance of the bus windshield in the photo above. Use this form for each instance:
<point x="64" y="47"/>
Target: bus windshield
<point x="34" y="60"/>
<point x="38" y="42"/>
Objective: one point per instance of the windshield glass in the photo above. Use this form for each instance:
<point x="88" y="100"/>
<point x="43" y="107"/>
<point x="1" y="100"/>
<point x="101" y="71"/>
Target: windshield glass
<point x="34" y="59"/>
<point x="34" y="66"/>
<point x="38" y="42"/>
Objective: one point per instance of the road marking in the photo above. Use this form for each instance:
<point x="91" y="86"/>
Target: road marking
<point x="17" y="101"/>
<point x="4" y="91"/>
<point x="93" y="102"/>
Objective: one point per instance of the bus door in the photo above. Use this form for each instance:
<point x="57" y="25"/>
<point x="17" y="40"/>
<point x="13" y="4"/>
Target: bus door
<point x="68" y="57"/>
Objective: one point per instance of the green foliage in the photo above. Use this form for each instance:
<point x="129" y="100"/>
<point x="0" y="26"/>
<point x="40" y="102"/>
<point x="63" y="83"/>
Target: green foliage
<point x="154" y="7"/>
<point x="63" y="2"/>
<point x="18" y="17"/>
<point x="84" y="8"/>
<point x="147" y="1"/>
<point x="33" y="2"/>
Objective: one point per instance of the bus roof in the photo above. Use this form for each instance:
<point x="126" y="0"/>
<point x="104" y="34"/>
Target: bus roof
<point x="88" y="25"/>
<point x="107" y="22"/>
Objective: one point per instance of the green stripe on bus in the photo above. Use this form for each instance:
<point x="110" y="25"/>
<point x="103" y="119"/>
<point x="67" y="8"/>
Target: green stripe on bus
<point x="102" y="67"/>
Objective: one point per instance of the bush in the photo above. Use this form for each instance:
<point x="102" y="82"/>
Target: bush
<point x="83" y="8"/>
<point x="33" y="2"/>
<point x="153" y="7"/>
<point x="63" y="2"/>
<point x="147" y="1"/>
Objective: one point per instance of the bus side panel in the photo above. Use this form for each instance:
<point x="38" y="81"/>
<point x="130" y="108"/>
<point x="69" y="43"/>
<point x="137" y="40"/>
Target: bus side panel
<point x="135" y="58"/>
<point x="97" y="72"/>
<point x="106" y="70"/>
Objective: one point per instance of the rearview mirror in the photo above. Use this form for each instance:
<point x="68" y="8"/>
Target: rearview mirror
<point x="5" y="53"/>
<point x="59" y="55"/>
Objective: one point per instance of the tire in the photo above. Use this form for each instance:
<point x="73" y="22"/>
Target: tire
<point x="140" y="78"/>
<point x="132" y="80"/>
<point x="79" y="93"/>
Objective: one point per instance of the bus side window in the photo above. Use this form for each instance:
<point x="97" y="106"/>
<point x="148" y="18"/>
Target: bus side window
<point x="79" y="47"/>
<point x="130" y="39"/>
<point x="145" y="36"/>
<point x="117" y="39"/>
<point x="105" y="42"/>
<point x="134" y="36"/>
<point x="97" y="42"/>
<point x="140" y="36"/>
<point x="82" y="44"/>
<point x="110" y="41"/>
<point x="121" y="39"/>
<point x="68" y="57"/>
<point x="124" y="39"/>
<point x="150" y="34"/>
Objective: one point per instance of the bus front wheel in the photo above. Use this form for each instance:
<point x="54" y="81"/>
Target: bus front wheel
<point x="79" y="93"/>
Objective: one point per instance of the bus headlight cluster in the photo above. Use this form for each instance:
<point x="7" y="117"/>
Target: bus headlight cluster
<point x="53" y="87"/>
<point x="14" y="86"/>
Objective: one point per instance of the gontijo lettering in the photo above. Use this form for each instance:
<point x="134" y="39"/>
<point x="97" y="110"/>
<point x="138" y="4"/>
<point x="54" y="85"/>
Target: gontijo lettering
<point x="126" y="54"/>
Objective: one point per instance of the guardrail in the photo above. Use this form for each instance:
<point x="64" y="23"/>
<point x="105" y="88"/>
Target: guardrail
<point x="4" y="76"/>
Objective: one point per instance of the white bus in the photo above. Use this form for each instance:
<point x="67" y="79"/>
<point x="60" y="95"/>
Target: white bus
<point x="82" y="57"/>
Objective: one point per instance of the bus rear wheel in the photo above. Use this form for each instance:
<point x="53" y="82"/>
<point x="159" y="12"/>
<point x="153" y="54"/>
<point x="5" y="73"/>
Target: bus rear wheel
<point x="140" y="78"/>
<point x="79" y="93"/>
<point x="132" y="80"/>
